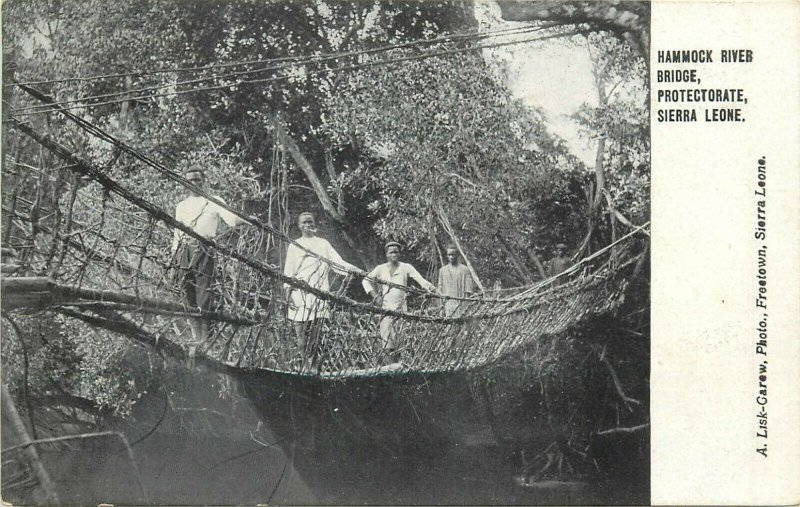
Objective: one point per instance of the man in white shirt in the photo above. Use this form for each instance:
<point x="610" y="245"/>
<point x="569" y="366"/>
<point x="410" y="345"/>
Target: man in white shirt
<point x="306" y="310"/>
<point x="392" y="298"/>
<point x="194" y="261"/>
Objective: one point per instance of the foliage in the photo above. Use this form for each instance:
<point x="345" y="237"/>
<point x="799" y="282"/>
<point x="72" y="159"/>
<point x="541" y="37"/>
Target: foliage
<point x="622" y="118"/>
<point x="566" y="396"/>
<point x="629" y="21"/>
<point x="119" y="382"/>
<point x="52" y="357"/>
<point x="461" y="142"/>
<point x="391" y="143"/>
<point x="41" y="350"/>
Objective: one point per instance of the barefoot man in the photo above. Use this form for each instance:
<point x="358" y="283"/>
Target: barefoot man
<point x="306" y="310"/>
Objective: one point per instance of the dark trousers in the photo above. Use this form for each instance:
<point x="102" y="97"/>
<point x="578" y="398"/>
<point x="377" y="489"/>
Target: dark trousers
<point x="195" y="274"/>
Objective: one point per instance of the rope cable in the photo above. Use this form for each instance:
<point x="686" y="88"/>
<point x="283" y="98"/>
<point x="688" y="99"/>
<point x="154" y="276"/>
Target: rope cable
<point x="186" y="184"/>
<point x="177" y="178"/>
<point x="300" y="59"/>
<point x="32" y="110"/>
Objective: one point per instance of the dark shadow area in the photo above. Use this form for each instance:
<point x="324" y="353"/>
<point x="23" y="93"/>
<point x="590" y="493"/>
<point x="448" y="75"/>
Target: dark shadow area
<point x="206" y="439"/>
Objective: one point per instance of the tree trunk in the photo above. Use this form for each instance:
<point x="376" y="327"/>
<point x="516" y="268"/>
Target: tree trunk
<point x="515" y="259"/>
<point x="9" y="69"/>
<point x="594" y="199"/>
<point x="319" y="189"/>
<point x="126" y="114"/>
<point x="612" y="218"/>
<point x="10" y="412"/>
<point x="536" y="262"/>
<point x="589" y="223"/>
<point x="332" y="176"/>
<point x="629" y="21"/>
<point x="599" y="173"/>
<point x="600" y="77"/>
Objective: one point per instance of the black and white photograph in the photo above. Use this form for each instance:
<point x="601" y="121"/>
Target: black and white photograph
<point x="315" y="252"/>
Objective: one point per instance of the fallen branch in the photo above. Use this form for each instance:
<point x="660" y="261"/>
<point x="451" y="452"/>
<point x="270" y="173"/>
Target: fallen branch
<point x="43" y="478"/>
<point x="112" y="321"/>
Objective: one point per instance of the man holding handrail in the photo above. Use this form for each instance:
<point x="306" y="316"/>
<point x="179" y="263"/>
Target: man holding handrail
<point x="392" y="297"/>
<point x="306" y="310"/>
<point x="194" y="261"/>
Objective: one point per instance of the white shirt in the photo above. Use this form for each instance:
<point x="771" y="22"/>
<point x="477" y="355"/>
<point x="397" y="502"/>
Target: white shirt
<point x="393" y="297"/>
<point x="314" y="271"/>
<point x="202" y="216"/>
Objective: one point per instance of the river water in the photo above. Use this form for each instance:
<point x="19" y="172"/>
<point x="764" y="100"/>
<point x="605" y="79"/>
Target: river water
<point x="203" y="443"/>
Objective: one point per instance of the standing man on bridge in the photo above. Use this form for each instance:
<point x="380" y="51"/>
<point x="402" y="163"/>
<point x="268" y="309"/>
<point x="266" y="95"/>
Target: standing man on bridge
<point x="194" y="261"/>
<point x="392" y="298"/>
<point x="455" y="281"/>
<point x="559" y="263"/>
<point x="312" y="266"/>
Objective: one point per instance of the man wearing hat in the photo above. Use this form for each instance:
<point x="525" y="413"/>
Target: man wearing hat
<point x="306" y="310"/>
<point x="392" y="298"/>
<point x="194" y="261"/>
<point x="560" y="262"/>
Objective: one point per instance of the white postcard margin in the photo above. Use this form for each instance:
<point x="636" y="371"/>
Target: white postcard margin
<point x="706" y="408"/>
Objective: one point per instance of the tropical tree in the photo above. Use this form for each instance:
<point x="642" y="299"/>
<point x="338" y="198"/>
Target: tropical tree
<point x="629" y="21"/>
<point x="118" y="65"/>
<point x="620" y="124"/>
<point x="445" y="136"/>
<point x="322" y="105"/>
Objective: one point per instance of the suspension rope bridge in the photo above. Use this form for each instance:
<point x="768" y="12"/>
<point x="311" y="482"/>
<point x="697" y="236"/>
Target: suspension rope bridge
<point x="102" y="254"/>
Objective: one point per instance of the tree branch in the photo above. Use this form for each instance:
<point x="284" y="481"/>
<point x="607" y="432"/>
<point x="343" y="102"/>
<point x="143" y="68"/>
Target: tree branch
<point x="617" y="384"/>
<point x="305" y="166"/>
<point x="515" y="259"/>
<point x="351" y="33"/>
<point x="316" y="184"/>
<point x="627" y="20"/>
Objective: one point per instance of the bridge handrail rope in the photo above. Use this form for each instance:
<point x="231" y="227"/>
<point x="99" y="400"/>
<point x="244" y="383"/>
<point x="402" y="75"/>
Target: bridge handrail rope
<point x="275" y="272"/>
<point x="82" y="256"/>
<point x="85" y="168"/>
<point x="572" y="269"/>
<point x="174" y="176"/>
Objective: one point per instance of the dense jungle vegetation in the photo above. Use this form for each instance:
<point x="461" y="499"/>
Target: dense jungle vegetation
<point x="373" y="151"/>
